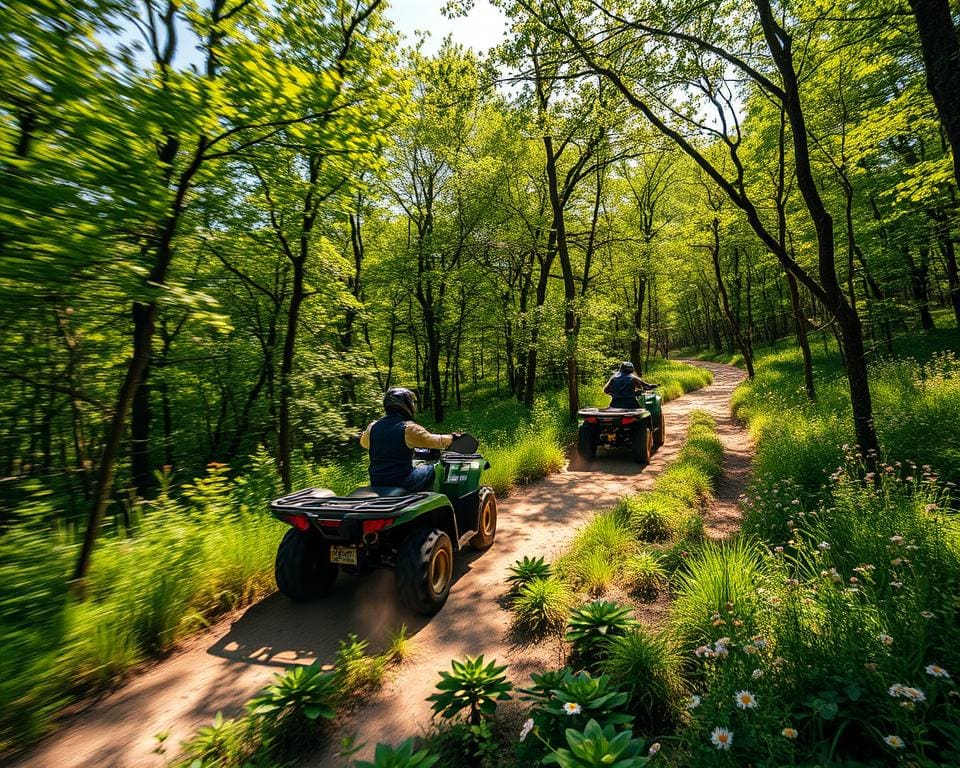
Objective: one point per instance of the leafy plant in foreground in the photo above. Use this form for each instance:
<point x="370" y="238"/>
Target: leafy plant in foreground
<point x="473" y="685"/>
<point x="526" y="570"/>
<point x="401" y="756"/>
<point x="597" y="747"/>
<point x="592" y="625"/>
<point x="303" y="690"/>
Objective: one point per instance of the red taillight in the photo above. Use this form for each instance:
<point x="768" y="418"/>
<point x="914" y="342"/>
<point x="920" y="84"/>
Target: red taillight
<point x="372" y="526"/>
<point x="628" y="420"/>
<point x="590" y="419"/>
<point x="298" y="521"/>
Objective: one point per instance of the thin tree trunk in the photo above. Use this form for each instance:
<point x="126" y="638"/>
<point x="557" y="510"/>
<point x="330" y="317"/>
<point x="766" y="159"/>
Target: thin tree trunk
<point x="725" y="302"/>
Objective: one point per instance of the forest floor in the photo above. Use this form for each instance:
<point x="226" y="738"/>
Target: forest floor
<point x="227" y="665"/>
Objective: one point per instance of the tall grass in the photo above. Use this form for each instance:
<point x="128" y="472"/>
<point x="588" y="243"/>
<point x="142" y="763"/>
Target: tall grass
<point x="183" y="563"/>
<point x="843" y="623"/>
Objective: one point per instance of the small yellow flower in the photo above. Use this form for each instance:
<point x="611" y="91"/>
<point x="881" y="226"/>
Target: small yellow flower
<point x="572" y="708"/>
<point x="789" y="733"/>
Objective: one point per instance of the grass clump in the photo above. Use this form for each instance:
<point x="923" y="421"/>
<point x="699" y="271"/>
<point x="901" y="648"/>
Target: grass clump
<point x="716" y="580"/>
<point x="649" y="665"/>
<point x="542" y="606"/>
<point x="644" y="574"/>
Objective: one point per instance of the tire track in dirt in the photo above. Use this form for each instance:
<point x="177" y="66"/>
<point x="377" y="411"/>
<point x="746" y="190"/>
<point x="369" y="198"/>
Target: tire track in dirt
<point x="225" y="666"/>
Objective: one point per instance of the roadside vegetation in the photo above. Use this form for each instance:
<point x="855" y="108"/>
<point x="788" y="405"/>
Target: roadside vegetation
<point x="824" y="633"/>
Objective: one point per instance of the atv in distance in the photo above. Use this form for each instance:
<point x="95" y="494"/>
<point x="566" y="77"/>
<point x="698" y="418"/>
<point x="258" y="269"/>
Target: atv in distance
<point x="416" y="534"/>
<point x="640" y="429"/>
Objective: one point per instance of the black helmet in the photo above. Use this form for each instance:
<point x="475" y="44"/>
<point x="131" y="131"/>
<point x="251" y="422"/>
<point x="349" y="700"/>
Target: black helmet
<point x="401" y="400"/>
<point x="626" y="367"/>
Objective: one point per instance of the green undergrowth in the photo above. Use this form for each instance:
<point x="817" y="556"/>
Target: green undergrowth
<point x="916" y="401"/>
<point x="182" y="562"/>
<point x="633" y="545"/>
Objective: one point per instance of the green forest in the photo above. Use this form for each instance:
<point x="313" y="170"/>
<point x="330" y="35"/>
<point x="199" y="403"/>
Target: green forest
<point x="228" y="226"/>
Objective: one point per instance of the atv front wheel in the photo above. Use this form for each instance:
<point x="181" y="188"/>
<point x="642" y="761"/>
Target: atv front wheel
<point x="486" y="520"/>
<point x="303" y="569"/>
<point x="642" y="443"/>
<point x="425" y="570"/>
<point x="661" y="434"/>
<point x="586" y="444"/>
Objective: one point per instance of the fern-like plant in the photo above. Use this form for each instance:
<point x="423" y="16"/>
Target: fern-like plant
<point x="401" y="756"/>
<point x="591" y="627"/>
<point x="302" y="690"/>
<point x="471" y="685"/>
<point x="526" y="570"/>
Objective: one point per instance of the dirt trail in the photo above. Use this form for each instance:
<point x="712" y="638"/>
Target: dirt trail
<point x="224" y="667"/>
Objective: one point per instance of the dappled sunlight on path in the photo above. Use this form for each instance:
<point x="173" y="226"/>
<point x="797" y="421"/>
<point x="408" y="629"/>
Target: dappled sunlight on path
<point x="225" y="666"/>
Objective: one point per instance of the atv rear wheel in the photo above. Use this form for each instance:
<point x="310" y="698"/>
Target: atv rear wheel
<point x="642" y="443"/>
<point x="303" y="569"/>
<point x="425" y="570"/>
<point x="661" y="433"/>
<point x="586" y="444"/>
<point x="486" y="520"/>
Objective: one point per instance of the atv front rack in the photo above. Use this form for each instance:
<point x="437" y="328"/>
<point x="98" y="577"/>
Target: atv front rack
<point x="309" y="501"/>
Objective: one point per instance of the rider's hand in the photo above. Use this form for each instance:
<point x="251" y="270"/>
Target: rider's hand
<point x="456" y="435"/>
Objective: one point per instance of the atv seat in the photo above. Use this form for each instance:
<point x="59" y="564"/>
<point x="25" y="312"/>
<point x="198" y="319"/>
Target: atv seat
<point x="374" y="491"/>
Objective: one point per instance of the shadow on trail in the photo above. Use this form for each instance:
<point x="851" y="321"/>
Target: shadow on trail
<point x="279" y="632"/>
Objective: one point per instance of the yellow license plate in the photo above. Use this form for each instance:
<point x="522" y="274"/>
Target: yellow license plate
<point x="343" y="555"/>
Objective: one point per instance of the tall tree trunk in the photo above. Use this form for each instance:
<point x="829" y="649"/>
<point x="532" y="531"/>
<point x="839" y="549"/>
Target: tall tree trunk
<point x="639" y="291"/>
<point x="284" y="431"/>
<point x="920" y="285"/>
<point x="941" y="59"/>
<point x="569" y="285"/>
<point x="725" y="302"/>
<point x="141" y="474"/>
<point x="780" y="45"/>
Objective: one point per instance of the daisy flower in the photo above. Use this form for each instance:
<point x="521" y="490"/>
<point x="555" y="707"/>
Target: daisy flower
<point x="745" y="700"/>
<point x="721" y="738"/>
<point x="654" y="748"/>
<point x="527" y="728"/>
<point x="884" y="638"/>
<point x="895" y="742"/>
<point x="935" y="670"/>
<point x="693" y="702"/>
<point x="789" y="733"/>
<point x="572" y="708"/>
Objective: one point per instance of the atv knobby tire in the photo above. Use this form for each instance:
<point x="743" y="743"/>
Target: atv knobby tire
<point x="661" y="433"/>
<point x="642" y="443"/>
<point x="586" y="443"/>
<point x="425" y="570"/>
<point x="486" y="520"/>
<point x="303" y="569"/>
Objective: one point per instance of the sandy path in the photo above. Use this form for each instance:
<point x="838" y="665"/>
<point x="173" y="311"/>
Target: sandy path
<point x="224" y="667"/>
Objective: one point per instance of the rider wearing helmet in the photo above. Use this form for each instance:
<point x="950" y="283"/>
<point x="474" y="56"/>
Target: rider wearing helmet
<point x="391" y="441"/>
<point x="623" y="387"/>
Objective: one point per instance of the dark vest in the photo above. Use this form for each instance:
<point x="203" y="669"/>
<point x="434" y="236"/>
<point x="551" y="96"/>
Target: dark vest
<point x="390" y="458"/>
<point x="623" y="391"/>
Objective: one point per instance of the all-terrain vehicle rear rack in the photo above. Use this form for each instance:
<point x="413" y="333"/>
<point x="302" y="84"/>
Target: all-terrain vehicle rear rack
<point x="309" y="501"/>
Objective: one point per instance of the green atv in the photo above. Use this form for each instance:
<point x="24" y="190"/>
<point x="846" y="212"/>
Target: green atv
<point x="643" y="429"/>
<point x="416" y="534"/>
